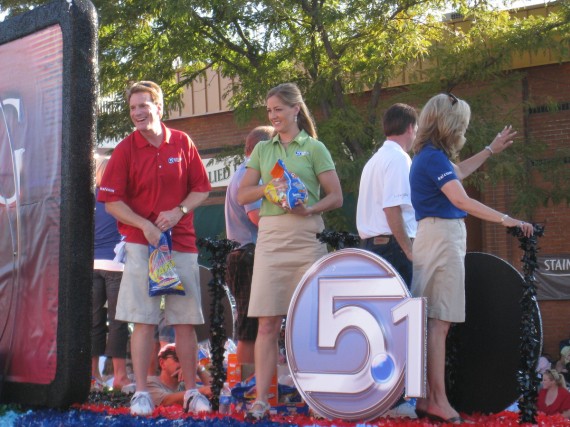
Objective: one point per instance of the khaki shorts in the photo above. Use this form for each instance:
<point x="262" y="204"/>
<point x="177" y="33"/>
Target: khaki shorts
<point x="439" y="267"/>
<point x="135" y="305"/>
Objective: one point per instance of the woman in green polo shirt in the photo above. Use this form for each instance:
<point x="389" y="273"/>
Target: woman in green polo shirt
<point x="286" y="244"/>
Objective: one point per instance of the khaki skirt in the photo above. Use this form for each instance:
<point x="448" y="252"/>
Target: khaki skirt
<point x="439" y="267"/>
<point x="286" y="248"/>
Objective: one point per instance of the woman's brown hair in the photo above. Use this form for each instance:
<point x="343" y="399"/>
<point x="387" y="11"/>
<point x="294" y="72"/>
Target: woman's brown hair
<point x="290" y="95"/>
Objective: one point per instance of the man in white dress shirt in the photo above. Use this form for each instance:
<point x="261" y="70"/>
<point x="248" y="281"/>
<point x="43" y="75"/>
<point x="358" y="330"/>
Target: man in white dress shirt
<point x="384" y="215"/>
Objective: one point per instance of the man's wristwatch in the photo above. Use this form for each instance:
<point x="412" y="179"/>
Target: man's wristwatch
<point x="184" y="209"/>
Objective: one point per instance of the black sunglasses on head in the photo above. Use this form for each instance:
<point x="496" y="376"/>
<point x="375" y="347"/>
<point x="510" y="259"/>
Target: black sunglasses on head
<point x="453" y="98"/>
<point x="173" y="356"/>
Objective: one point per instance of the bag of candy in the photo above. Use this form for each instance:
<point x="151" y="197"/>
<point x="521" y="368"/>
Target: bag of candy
<point x="291" y="193"/>
<point x="162" y="276"/>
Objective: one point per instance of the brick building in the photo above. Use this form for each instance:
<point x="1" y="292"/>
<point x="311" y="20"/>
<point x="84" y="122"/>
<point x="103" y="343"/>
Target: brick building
<point x="544" y="83"/>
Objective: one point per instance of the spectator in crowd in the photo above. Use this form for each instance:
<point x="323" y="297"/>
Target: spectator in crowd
<point x="107" y="275"/>
<point x="154" y="181"/>
<point x="286" y="245"/>
<point x="167" y="387"/>
<point x="553" y="397"/>
<point x="563" y="364"/>
<point x="441" y="204"/>
<point x="241" y="226"/>
<point x="384" y="215"/>
<point x="543" y="364"/>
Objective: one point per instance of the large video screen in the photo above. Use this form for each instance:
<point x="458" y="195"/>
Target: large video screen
<point x="48" y="61"/>
<point x="30" y="196"/>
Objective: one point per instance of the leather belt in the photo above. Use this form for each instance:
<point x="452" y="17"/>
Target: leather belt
<point x="381" y="240"/>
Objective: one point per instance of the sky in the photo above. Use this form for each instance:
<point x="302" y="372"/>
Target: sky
<point x="522" y="3"/>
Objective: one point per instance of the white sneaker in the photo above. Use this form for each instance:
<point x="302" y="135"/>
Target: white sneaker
<point x="141" y="404"/>
<point x="129" y="388"/>
<point x="194" y="401"/>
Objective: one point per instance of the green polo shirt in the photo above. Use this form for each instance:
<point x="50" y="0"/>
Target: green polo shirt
<point x="305" y="156"/>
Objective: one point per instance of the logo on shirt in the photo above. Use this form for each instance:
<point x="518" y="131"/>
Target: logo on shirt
<point x="301" y="153"/>
<point x="172" y="160"/>
<point x="107" y="189"/>
<point x="439" y="178"/>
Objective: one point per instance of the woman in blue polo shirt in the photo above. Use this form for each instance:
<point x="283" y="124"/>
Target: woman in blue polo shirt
<point x="441" y="204"/>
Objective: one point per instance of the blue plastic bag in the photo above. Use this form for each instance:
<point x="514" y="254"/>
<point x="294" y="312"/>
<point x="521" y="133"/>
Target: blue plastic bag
<point x="162" y="276"/>
<point x="294" y="193"/>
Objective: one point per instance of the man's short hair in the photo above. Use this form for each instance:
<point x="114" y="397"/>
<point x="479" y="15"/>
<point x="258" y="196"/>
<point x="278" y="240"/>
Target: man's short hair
<point x="398" y="118"/>
<point x="149" y="87"/>
<point x="260" y="133"/>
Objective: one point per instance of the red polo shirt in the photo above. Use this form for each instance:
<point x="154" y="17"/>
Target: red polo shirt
<point x="151" y="180"/>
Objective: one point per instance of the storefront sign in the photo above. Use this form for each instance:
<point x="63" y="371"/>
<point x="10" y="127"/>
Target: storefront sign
<point x="220" y="171"/>
<point x="553" y="277"/>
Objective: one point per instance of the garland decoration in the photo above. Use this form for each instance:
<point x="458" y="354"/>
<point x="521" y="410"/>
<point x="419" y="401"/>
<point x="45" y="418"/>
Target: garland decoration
<point x="339" y="240"/>
<point x="530" y="326"/>
<point x="174" y="416"/>
<point x="219" y="250"/>
<point x="109" y="398"/>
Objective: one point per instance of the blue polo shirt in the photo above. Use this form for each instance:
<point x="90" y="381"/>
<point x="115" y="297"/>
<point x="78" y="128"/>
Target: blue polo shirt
<point x="430" y="170"/>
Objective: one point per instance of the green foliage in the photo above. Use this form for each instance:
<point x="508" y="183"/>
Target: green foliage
<point x="535" y="177"/>
<point x="476" y="60"/>
<point x="335" y="49"/>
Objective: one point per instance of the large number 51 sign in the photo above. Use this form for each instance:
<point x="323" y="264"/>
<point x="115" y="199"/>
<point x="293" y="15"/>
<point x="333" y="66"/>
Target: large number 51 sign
<point x="355" y="339"/>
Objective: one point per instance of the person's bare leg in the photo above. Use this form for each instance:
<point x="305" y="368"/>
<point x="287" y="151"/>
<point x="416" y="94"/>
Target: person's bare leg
<point x="153" y="363"/>
<point x="95" y="368"/>
<point x="437" y="402"/>
<point x="120" y="377"/>
<point x="266" y="353"/>
<point x="187" y="352"/>
<point x="245" y="351"/>
<point x="142" y="345"/>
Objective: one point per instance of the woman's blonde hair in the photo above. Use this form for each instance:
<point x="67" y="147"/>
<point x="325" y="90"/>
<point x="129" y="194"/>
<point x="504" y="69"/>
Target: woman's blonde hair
<point x="100" y="166"/>
<point x="443" y="122"/>
<point x="290" y="95"/>
<point x="555" y="376"/>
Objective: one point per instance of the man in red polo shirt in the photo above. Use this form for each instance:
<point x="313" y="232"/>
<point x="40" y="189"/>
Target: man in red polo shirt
<point x="153" y="182"/>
